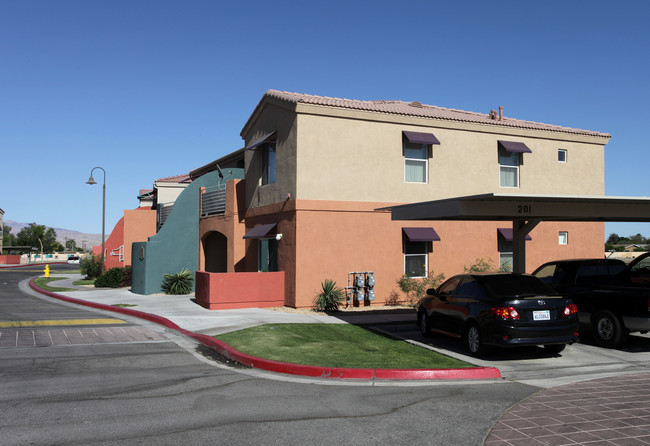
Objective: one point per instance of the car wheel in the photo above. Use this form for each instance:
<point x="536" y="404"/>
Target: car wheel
<point x="607" y="329"/>
<point x="555" y="348"/>
<point x="425" y="324"/>
<point x="474" y="340"/>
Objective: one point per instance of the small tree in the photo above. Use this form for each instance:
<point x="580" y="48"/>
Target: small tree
<point x="91" y="267"/>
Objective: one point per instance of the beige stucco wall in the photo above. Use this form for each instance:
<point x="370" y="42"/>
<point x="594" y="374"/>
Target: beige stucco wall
<point x="168" y="192"/>
<point x="362" y="160"/>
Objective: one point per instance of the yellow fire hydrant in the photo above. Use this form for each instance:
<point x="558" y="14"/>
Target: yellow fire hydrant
<point x="47" y="271"/>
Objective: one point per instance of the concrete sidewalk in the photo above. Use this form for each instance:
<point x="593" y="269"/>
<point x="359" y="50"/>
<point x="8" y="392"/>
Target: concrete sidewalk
<point x="187" y="314"/>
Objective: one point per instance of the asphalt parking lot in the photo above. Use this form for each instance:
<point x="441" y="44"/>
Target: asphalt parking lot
<point x="535" y="366"/>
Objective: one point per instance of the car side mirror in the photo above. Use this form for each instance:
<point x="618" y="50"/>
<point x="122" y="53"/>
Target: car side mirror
<point x="431" y="292"/>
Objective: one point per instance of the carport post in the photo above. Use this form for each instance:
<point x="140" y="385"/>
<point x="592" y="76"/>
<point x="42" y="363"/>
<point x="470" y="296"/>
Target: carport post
<point x="520" y="229"/>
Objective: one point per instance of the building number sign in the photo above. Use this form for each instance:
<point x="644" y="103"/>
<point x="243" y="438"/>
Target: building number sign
<point x="524" y="209"/>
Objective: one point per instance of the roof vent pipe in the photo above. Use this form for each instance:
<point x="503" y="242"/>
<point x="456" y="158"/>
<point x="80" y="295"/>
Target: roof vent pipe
<point x="500" y="113"/>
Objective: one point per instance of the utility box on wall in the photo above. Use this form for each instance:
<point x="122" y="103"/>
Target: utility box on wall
<point x="361" y="288"/>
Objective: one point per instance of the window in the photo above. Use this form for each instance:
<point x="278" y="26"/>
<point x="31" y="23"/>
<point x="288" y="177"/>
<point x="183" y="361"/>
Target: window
<point x="416" y="162"/>
<point x="267" y="254"/>
<point x="415" y="258"/>
<point x="561" y="155"/>
<point x="563" y="238"/>
<point x="268" y="163"/>
<point x="506" y="256"/>
<point x="508" y="168"/>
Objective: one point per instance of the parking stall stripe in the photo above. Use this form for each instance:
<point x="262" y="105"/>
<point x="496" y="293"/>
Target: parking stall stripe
<point x="10" y="324"/>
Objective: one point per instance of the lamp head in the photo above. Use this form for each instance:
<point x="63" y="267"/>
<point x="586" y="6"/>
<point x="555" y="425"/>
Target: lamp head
<point x="91" y="180"/>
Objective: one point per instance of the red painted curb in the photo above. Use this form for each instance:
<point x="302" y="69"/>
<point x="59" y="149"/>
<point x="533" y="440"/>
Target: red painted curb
<point x="286" y="367"/>
<point x="4" y="265"/>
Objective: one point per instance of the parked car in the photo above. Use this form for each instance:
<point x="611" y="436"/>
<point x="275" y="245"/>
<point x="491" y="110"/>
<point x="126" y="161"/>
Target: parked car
<point x="612" y="298"/>
<point x="74" y="259"/>
<point x="499" y="309"/>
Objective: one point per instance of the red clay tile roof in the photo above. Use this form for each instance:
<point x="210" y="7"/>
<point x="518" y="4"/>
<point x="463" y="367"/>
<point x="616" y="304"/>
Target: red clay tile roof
<point x="145" y="191"/>
<point x="421" y="110"/>
<point x="184" y="178"/>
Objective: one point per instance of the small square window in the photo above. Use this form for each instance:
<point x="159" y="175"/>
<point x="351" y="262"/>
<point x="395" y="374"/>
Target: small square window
<point x="563" y="238"/>
<point x="561" y="155"/>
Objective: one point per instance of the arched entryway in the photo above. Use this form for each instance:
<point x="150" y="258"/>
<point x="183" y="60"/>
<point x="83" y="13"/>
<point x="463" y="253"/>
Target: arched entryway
<point x="215" y="251"/>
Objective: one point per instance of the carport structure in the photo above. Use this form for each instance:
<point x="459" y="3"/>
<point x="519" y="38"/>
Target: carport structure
<point x="525" y="212"/>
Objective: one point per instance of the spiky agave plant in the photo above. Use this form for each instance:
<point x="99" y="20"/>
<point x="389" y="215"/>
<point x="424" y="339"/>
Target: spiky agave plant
<point x="330" y="296"/>
<point x="179" y="283"/>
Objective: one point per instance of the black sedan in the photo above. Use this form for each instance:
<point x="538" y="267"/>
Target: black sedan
<point x="499" y="309"/>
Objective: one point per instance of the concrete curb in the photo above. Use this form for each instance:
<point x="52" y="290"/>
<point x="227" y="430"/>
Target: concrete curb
<point x="285" y="367"/>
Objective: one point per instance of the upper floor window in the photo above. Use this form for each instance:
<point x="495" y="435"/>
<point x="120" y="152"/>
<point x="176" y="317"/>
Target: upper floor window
<point x="268" y="163"/>
<point x="508" y="169"/>
<point x="510" y="158"/>
<point x="416" y="155"/>
<point x="563" y="238"/>
<point x="561" y="155"/>
<point x="416" y="163"/>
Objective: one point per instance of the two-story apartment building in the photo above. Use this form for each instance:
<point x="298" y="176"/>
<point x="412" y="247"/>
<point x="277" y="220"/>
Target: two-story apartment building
<point x="317" y="170"/>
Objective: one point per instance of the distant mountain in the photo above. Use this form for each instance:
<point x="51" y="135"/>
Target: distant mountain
<point x="63" y="234"/>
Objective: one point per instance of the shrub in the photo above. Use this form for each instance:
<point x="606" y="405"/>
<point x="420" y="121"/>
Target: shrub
<point x="481" y="266"/>
<point x="416" y="288"/>
<point x="179" y="283"/>
<point x="110" y="279"/>
<point x="114" y="278"/>
<point x="91" y="267"/>
<point x="128" y="274"/>
<point x="330" y="297"/>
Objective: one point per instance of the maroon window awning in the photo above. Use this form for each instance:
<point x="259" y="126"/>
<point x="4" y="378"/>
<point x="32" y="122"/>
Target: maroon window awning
<point x="420" y="138"/>
<point x="507" y="234"/>
<point x="266" y="138"/>
<point x="514" y="146"/>
<point x="421" y="234"/>
<point x="261" y="231"/>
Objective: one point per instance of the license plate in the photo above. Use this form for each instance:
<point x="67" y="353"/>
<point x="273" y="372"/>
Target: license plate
<point x="544" y="315"/>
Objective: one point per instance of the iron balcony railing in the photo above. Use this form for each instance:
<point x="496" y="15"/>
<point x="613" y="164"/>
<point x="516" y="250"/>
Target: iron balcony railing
<point x="213" y="200"/>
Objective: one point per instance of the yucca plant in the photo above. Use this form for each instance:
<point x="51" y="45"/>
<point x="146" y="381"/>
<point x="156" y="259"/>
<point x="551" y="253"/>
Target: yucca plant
<point x="330" y="297"/>
<point x="179" y="283"/>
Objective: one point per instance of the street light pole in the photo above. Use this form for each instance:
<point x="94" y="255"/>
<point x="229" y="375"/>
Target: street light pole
<point x="92" y="181"/>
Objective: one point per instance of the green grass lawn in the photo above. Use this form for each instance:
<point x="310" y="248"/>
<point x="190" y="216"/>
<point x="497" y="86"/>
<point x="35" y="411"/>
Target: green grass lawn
<point x="84" y="282"/>
<point x="42" y="283"/>
<point x="335" y="345"/>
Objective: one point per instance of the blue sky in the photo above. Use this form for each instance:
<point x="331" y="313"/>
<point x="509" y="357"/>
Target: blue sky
<point x="153" y="88"/>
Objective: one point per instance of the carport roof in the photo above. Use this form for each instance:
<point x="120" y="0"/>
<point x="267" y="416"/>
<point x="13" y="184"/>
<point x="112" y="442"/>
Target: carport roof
<point x="495" y="207"/>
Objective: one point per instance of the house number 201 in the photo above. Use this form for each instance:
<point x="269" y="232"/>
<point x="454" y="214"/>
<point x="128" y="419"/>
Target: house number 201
<point x="524" y="209"/>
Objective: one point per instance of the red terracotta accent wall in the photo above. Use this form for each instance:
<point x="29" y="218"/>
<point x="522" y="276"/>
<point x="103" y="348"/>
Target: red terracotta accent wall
<point x="221" y="291"/>
<point x="112" y="245"/>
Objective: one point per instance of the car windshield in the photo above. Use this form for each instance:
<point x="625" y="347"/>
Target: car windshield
<point x="515" y="285"/>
